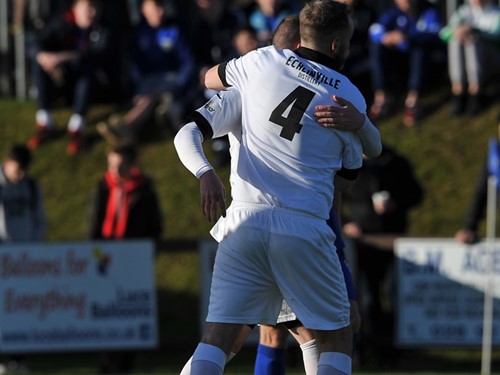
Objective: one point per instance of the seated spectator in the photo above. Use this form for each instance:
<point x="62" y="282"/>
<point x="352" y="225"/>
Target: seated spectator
<point x="403" y="36"/>
<point x="161" y="73"/>
<point x="67" y="55"/>
<point x="357" y="65"/>
<point x="473" y="36"/>
<point x="244" y="40"/>
<point x="267" y="15"/>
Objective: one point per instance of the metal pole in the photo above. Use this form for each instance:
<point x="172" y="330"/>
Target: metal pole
<point x="4" y="47"/>
<point x="489" y="284"/>
<point x="21" y="81"/>
<point x="451" y="6"/>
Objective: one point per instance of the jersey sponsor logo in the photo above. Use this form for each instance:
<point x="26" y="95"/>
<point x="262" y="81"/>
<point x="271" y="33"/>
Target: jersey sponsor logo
<point x="311" y="75"/>
<point x="210" y="106"/>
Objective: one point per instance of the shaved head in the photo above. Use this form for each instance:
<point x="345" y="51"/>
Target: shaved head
<point x="287" y="33"/>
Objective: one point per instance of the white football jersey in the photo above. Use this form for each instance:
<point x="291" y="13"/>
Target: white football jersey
<point x="286" y="158"/>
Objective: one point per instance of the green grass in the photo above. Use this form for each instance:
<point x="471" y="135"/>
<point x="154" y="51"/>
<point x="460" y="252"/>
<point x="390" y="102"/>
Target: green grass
<point x="447" y="155"/>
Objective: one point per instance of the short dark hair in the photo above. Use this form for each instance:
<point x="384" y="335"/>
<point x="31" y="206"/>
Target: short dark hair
<point x="287" y="32"/>
<point x="322" y="20"/>
<point x="21" y="154"/>
<point x="159" y="3"/>
<point x="128" y="152"/>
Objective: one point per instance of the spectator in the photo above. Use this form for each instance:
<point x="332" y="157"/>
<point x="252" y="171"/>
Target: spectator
<point x="357" y="66"/>
<point x="67" y="55"/>
<point x="473" y="36"/>
<point x="378" y="204"/>
<point x="403" y="36"/>
<point x="22" y="217"/>
<point x="245" y="40"/>
<point x="140" y="214"/>
<point x="267" y="15"/>
<point x="125" y="205"/>
<point x="161" y="75"/>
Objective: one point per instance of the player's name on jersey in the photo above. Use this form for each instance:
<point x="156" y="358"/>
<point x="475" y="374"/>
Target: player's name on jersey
<point x="312" y="75"/>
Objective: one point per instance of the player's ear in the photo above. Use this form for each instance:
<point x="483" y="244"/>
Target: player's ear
<point x="335" y="44"/>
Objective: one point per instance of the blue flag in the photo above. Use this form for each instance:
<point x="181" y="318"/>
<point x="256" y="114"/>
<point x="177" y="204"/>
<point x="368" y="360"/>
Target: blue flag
<point x="494" y="160"/>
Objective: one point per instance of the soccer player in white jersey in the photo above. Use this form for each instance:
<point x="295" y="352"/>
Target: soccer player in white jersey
<point x="274" y="242"/>
<point x="225" y="108"/>
<point x="270" y="358"/>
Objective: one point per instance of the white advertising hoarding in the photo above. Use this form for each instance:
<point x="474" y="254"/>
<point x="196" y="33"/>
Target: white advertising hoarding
<point x="77" y="296"/>
<point x="440" y="292"/>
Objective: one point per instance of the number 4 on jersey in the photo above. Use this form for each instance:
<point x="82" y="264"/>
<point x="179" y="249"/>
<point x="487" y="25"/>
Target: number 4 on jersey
<point x="299" y="99"/>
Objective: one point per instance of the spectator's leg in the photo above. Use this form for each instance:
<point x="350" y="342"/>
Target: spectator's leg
<point x="416" y="75"/>
<point x="474" y="65"/>
<point x="378" y="76"/>
<point x="415" y="80"/>
<point x="45" y="92"/>
<point x="44" y="122"/>
<point x="84" y="83"/>
<point x="141" y="112"/>
<point x="81" y="98"/>
<point x="456" y="70"/>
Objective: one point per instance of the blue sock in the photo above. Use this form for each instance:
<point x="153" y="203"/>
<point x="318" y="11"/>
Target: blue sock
<point x="269" y="361"/>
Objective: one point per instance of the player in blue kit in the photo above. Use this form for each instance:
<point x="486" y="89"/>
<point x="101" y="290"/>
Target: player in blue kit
<point x="279" y="200"/>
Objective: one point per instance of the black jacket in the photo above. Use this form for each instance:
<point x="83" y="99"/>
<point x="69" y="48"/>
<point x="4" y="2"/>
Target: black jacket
<point x="144" y="216"/>
<point x="389" y="172"/>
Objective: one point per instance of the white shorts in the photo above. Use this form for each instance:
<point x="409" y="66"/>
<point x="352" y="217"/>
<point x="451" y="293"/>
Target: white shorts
<point x="267" y="254"/>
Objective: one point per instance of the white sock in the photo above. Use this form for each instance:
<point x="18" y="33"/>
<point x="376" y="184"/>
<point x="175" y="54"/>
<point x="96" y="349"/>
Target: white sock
<point x="333" y="363"/>
<point x="76" y="123"/>
<point x="186" y="370"/>
<point x="310" y="357"/>
<point x="208" y="360"/>
<point x="44" y="118"/>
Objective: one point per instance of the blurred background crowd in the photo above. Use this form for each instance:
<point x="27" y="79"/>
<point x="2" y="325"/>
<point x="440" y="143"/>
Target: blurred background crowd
<point x="150" y="56"/>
